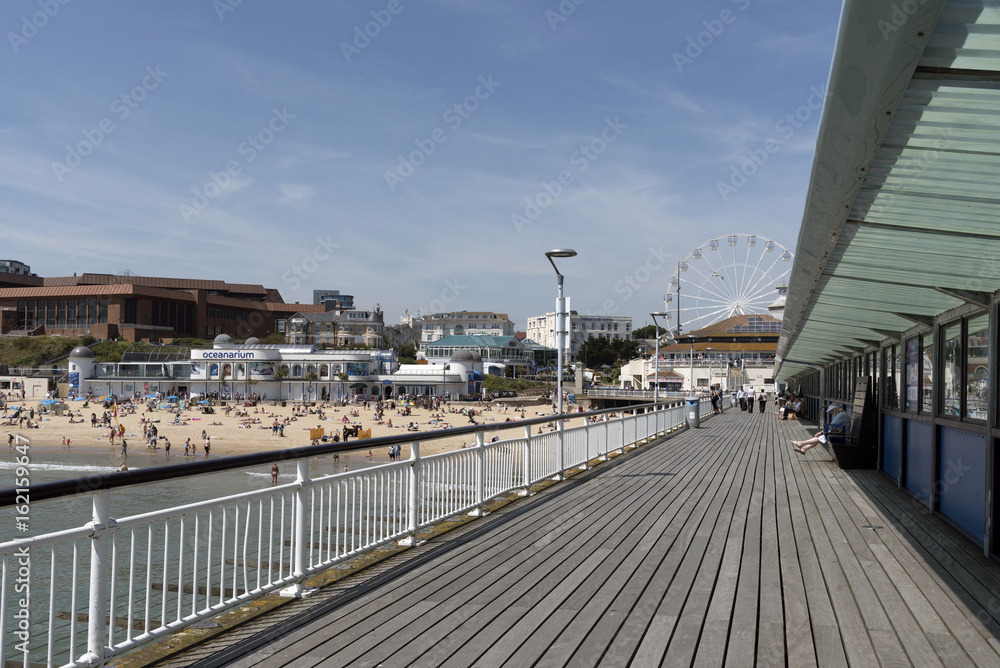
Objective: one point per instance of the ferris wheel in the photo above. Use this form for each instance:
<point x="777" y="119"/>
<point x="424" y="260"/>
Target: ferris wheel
<point x="735" y="274"/>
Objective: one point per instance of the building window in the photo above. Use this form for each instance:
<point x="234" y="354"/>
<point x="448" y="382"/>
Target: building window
<point x="977" y="367"/>
<point x="913" y="374"/>
<point x="886" y="378"/>
<point x="926" y="372"/>
<point x="951" y="393"/>
<point x="873" y="365"/>
<point x="897" y="371"/>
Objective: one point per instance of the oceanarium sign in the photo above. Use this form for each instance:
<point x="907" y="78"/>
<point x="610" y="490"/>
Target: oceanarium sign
<point x="237" y="355"/>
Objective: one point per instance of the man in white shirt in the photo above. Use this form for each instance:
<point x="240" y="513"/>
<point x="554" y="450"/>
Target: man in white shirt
<point x="741" y="396"/>
<point x="750" y="400"/>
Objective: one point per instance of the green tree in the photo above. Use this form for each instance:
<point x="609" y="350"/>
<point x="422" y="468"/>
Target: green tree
<point x="647" y="332"/>
<point x="342" y="377"/>
<point x="597" y="352"/>
<point x="625" y="349"/>
<point x="279" y="375"/>
<point x="407" y="353"/>
<point x="312" y="376"/>
<point x="223" y="377"/>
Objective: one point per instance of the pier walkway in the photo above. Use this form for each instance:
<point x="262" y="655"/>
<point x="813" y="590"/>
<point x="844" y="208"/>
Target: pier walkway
<point x="718" y="546"/>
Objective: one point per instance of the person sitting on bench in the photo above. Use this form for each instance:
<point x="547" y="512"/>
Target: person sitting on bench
<point x="837" y="418"/>
<point x="792" y="408"/>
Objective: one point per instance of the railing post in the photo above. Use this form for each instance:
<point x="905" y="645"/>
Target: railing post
<point x="607" y="439"/>
<point x="526" y="463"/>
<point x="560" y="466"/>
<point x="479" y="511"/>
<point x="97" y="625"/>
<point x="413" y="512"/>
<point x="622" y="444"/>
<point x="300" y="537"/>
<point x="586" y="444"/>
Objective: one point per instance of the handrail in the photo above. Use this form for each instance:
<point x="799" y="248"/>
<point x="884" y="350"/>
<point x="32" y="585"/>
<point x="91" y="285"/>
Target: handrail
<point x="150" y="574"/>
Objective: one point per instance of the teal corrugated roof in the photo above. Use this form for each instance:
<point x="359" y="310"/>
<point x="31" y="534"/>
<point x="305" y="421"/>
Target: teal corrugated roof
<point x="903" y="203"/>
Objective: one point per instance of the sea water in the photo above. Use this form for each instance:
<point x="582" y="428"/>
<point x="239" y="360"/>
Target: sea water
<point x="52" y="463"/>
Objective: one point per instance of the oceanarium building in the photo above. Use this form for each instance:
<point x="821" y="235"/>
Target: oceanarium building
<point x="274" y="372"/>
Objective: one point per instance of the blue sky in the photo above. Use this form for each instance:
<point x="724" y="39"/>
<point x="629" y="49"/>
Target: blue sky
<point x="417" y="166"/>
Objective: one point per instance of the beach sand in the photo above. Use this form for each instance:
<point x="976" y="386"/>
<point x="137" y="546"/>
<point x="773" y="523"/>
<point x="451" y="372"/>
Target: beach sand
<point x="229" y="438"/>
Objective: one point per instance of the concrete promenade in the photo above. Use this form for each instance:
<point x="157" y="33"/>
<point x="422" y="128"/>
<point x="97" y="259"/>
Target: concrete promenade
<point x="714" y="547"/>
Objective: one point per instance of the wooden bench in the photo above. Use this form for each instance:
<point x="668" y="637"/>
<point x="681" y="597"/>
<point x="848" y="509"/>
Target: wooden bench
<point x="855" y="447"/>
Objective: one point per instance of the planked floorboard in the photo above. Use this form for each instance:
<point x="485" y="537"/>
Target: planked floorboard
<point x="717" y="546"/>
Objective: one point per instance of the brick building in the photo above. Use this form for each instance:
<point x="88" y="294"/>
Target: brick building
<point x="140" y="308"/>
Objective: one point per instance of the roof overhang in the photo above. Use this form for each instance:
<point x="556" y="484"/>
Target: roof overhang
<point x="900" y="222"/>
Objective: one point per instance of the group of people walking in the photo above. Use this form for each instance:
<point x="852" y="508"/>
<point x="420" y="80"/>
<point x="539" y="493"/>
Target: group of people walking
<point x="747" y="397"/>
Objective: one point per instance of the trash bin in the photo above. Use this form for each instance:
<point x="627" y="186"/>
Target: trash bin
<point x="692" y="411"/>
<point x="282" y="404"/>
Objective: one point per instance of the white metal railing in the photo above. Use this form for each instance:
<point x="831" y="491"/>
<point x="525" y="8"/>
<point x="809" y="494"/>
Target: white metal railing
<point x="614" y="392"/>
<point x="99" y="590"/>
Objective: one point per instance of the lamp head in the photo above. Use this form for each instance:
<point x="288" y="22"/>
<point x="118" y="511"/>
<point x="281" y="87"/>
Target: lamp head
<point x="559" y="252"/>
<point x="660" y="314"/>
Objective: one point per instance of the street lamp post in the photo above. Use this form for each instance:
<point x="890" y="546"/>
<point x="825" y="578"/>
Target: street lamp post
<point x="690" y="339"/>
<point x="708" y="358"/>
<point x="560" y="344"/>
<point x="656" y="363"/>
<point x="709" y="354"/>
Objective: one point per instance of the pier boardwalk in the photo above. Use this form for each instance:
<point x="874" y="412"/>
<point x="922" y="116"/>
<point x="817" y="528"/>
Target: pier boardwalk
<point x="719" y="546"/>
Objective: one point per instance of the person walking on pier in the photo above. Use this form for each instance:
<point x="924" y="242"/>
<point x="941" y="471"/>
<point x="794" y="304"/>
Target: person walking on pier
<point x="741" y="396"/>
<point x="761" y="400"/>
<point x="750" y="399"/>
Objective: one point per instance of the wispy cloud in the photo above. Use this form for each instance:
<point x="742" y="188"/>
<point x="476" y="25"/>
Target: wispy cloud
<point x="296" y="192"/>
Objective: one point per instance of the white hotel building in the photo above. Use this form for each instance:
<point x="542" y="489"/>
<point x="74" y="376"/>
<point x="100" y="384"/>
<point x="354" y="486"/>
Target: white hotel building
<point x="542" y="329"/>
<point x="436" y="326"/>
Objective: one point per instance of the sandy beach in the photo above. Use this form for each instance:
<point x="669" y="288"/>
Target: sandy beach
<point x="236" y="433"/>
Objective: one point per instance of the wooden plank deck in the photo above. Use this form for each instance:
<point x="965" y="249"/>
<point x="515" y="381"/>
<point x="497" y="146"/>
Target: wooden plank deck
<point x="716" y="547"/>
